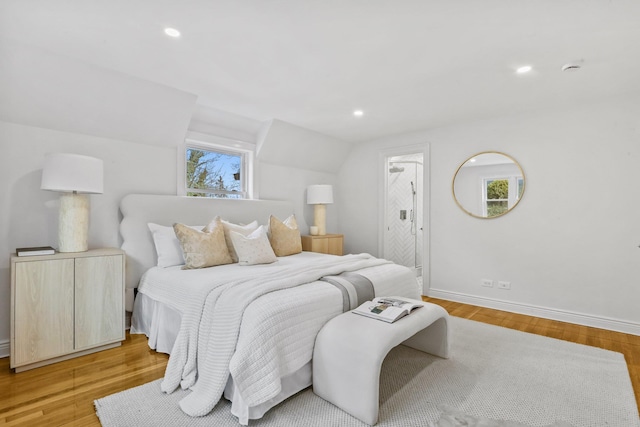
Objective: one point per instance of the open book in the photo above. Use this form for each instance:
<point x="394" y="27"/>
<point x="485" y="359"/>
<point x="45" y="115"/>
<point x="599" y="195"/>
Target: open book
<point x="386" y="309"/>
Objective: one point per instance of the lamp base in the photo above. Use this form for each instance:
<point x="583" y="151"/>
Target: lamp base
<point x="73" y="223"/>
<point x="320" y="218"/>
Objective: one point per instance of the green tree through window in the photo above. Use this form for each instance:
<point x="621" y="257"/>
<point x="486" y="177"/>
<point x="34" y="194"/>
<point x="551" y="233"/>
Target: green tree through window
<point x="213" y="174"/>
<point x="497" y="197"/>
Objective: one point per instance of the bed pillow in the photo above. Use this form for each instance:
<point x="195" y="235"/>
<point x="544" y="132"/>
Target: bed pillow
<point x="253" y="248"/>
<point x="167" y="245"/>
<point x="245" y="230"/>
<point x="284" y="236"/>
<point x="206" y="248"/>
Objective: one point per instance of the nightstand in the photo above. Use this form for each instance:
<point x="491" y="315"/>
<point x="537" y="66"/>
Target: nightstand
<point x="65" y="305"/>
<point x="331" y="244"/>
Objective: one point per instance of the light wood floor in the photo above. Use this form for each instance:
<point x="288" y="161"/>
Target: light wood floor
<point x="63" y="394"/>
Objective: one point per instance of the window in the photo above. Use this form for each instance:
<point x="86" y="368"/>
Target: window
<point x="211" y="170"/>
<point x="496" y="196"/>
<point x="501" y="194"/>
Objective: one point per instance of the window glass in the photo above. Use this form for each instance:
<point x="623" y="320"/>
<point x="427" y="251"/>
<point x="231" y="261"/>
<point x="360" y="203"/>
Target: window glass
<point x="215" y="173"/>
<point x="497" y="199"/>
<point x="520" y="187"/>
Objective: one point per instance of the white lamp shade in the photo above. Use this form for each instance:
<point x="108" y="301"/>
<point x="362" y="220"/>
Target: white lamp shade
<point x="319" y="194"/>
<point x="72" y="172"/>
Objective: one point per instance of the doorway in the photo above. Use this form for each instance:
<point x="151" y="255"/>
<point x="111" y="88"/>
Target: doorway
<point x="404" y="210"/>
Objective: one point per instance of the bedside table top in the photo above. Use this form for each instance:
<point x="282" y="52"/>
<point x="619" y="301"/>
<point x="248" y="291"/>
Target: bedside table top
<point x="65" y="255"/>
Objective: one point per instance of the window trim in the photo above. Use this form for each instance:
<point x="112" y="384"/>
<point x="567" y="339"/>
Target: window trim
<point x="224" y="145"/>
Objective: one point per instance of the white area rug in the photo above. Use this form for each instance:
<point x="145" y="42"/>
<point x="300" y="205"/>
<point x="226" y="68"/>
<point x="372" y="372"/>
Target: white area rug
<point x="496" y="377"/>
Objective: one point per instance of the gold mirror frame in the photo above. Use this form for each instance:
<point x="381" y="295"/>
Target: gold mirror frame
<point x="500" y="165"/>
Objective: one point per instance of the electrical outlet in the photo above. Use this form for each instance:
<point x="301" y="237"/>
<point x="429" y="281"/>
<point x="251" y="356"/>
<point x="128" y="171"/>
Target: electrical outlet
<point x="487" y="282"/>
<point x="504" y="285"/>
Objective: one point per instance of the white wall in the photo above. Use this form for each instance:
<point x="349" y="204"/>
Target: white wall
<point x="289" y="183"/>
<point x="43" y="89"/>
<point x="28" y="215"/>
<point x="281" y="143"/>
<point x="569" y="249"/>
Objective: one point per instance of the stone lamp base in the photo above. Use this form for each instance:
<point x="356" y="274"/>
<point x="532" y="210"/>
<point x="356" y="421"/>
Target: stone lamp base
<point x="73" y="223"/>
<point x="320" y="218"/>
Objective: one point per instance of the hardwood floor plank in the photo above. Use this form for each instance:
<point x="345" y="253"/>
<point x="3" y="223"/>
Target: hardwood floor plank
<point x="62" y="394"/>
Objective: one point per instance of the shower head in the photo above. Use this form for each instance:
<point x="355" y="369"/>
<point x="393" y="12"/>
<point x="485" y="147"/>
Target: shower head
<point x="395" y="169"/>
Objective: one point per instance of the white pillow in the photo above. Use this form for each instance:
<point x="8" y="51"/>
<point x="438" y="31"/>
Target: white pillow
<point x="167" y="245"/>
<point x="245" y="230"/>
<point x="254" y="248"/>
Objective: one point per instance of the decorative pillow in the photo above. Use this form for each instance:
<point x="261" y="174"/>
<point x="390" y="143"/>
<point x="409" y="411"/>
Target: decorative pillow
<point x="284" y="236"/>
<point x="254" y="248"/>
<point x="205" y="248"/>
<point x="167" y="245"/>
<point x="245" y="230"/>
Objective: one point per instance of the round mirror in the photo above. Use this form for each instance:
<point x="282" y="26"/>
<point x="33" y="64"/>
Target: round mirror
<point x="488" y="184"/>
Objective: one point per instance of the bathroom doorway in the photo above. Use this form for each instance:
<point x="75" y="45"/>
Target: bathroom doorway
<point x="404" y="211"/>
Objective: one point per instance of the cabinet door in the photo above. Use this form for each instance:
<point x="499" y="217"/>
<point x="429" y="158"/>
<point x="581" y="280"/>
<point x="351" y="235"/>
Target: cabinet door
<point x="320" y="245"/>
<point x="99" y="301"/>
<point x="43" y="310"/>
<point x="335" y="245"/>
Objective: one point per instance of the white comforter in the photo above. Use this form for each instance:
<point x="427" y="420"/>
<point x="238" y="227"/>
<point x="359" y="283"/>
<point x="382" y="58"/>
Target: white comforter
<point x="213" y="314"/>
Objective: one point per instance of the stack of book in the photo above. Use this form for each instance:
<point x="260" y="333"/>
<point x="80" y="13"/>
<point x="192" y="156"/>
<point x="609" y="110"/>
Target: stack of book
<point x="39" y="250"/>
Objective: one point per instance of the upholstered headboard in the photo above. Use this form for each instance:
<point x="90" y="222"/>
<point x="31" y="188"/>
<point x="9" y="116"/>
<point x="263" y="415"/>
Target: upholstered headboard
<point x="140" y="209"/>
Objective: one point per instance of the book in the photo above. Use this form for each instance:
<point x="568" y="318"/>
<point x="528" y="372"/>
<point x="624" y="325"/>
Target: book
<point x="39" y="250"/>
<point x="386" y="309"/>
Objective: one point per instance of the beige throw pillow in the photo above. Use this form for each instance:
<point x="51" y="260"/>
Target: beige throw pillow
<point x="206" y="248"/>
<point x="284" y="236"/>
<point x="254" y="248"/>
<point x="245" y="230"/>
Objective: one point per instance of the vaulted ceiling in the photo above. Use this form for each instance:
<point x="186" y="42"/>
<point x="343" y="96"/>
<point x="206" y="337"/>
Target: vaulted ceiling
<point x="407" y="64"/>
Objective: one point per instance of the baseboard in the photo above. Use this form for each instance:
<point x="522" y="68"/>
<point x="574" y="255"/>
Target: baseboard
<point x="544" y="312"/>
<point x="5" y="349"/>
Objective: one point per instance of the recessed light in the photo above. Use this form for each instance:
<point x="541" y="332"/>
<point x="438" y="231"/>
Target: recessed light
<point x="358" y="113"/>
<point x="524" y="69"/>
<point x="172" y="32"/>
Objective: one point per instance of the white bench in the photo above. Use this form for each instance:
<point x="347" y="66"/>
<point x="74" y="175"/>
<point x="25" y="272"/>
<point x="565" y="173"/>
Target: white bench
<point x="350" y="348"/>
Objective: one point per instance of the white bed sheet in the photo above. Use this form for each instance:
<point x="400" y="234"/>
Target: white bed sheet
<point x="172" y="285"/>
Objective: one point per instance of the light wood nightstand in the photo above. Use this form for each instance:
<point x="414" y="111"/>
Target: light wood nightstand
<point x="331" y="244"/>
<point x="65" y="305"/>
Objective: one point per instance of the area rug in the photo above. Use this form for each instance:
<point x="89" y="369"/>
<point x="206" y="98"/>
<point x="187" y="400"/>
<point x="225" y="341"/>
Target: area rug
<point x="496" y="377"/>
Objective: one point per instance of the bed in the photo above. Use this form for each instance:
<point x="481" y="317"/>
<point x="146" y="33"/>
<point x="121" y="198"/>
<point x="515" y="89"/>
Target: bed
<point x="245" y="332"/>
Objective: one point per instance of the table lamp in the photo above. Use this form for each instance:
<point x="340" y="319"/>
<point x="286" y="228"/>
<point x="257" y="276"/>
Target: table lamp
<point x="74" y="176"/>
<point x="320" y="196"/>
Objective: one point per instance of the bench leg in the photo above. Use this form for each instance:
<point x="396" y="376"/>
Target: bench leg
<point x="434" y="339"/>
<point x="353" y="387"/>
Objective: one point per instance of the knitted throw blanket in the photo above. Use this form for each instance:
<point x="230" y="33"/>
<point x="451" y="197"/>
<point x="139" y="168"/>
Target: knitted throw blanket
<point x="210" y="328"/>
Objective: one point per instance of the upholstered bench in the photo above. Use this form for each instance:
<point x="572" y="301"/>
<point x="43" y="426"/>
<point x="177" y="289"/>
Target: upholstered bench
<point x="350" y="348"/>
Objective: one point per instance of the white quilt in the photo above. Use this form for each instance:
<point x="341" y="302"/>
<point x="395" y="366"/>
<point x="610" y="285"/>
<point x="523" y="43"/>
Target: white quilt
<point x="273" y="344"/>
<point x="213" y="313"/>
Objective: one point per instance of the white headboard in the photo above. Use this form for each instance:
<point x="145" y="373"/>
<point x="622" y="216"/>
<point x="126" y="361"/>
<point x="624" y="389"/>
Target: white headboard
<point x="140" y="209"/>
